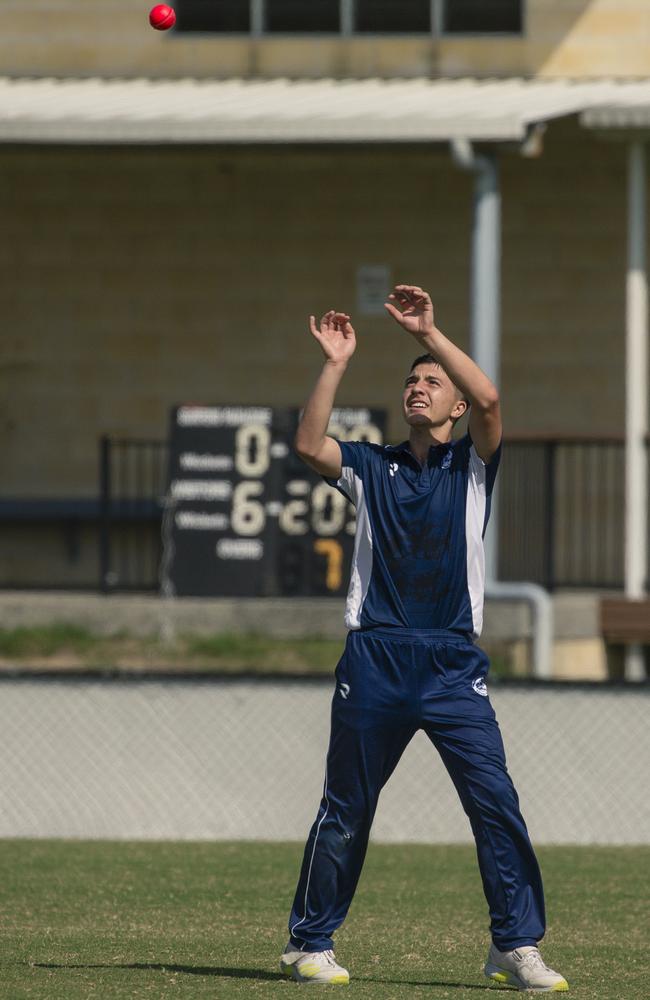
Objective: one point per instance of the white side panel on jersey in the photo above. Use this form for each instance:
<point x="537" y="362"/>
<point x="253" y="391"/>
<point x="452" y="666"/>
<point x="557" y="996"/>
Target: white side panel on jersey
<point x="350" y="484"/>
<point x="362" y="557"/>
<point x="475" y="505"/>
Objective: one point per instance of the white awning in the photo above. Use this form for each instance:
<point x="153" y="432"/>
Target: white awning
<point x="297" y="111"/>
<point x="631" y="114"/>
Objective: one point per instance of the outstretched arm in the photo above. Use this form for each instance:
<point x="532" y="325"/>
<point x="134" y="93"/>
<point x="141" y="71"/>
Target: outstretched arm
<point x="415" y="314"/>
<point x="338" y="342"/>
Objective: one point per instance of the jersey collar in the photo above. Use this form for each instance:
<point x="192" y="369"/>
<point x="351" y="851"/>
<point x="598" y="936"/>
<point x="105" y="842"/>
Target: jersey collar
<point x="435" y="450"/>
<point x="404" y="447"/>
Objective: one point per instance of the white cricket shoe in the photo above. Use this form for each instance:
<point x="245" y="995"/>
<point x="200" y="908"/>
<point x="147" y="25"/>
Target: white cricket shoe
<point x="525" y="969"/>
<point x="313" y="967"/>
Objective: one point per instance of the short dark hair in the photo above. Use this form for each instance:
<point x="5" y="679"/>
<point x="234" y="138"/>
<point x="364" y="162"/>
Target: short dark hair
<point x="424" y="359"/>
<point x="428" y="359"/>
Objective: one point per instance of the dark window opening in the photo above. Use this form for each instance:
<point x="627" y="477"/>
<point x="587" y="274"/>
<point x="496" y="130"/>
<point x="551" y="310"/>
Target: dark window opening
<point x="478" y="16"/>
<point x="396" y="17"/>
<point x="304" y="16"/>
<point x="213" y="15"/>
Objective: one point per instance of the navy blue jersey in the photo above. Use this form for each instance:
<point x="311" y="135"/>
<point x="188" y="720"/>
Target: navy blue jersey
<point x="418" y="555"/>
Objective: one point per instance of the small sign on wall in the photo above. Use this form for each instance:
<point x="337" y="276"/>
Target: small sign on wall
<point x="373" y="287"/>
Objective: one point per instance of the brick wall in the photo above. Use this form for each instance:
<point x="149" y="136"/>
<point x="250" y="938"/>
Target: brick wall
<point x="134" y="279"/>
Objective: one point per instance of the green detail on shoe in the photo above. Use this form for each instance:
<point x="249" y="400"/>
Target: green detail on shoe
<point x="506" y="979"/>
<point x="309" y="969"/>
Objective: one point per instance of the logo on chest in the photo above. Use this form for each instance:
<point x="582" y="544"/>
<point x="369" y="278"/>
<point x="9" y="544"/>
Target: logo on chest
<point x="392" y="468"/>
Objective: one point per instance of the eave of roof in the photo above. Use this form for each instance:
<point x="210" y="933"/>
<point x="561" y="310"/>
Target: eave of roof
<point x="98" y="110"/>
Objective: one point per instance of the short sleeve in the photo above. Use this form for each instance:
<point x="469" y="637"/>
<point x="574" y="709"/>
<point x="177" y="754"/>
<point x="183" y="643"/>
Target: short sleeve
<point x="353" y="466"/>
<point x="487" y="471"/>
<point x="491" y="469"/>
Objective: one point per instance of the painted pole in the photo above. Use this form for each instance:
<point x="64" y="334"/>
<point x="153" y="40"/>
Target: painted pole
<point x="485" y="336"/>
<point x="485" y="325"/>
<point x="636" y="397"/>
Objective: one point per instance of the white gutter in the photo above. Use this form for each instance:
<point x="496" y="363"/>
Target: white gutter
<point x="485" y="349"/>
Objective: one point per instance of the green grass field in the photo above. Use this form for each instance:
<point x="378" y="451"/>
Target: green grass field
<point x="103" y="920"/>
<point x="68" y="647"/>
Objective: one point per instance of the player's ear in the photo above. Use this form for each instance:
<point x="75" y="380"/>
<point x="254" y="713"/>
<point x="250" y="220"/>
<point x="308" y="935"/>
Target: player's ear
<point x="460" y="407"/>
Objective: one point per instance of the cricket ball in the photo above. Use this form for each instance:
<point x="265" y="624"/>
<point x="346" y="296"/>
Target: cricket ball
<point x="162" y="17"/>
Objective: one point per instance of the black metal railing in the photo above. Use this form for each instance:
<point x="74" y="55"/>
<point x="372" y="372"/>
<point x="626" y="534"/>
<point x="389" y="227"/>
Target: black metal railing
<point x="560" y="502"/>
<point x="132" y="477"/>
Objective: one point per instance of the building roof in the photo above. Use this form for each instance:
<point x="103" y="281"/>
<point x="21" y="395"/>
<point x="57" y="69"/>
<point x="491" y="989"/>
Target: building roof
<point x="631" y="113"/>
<point x="305" y="111"/>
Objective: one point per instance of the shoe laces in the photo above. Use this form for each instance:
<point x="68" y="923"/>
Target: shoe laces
<point x="532" y="959"/>
<point x="329" y="956"/>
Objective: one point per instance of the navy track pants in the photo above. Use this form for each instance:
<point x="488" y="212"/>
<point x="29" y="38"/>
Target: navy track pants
<point x="389" y="684"/>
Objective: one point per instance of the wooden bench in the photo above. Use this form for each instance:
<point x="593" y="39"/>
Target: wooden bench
<point x="624" y="620"/>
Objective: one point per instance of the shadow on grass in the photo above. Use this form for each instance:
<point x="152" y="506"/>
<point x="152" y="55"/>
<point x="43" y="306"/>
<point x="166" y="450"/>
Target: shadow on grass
<point x="227" y="973"/>
<point x="193" y="970"/>
<point x="427" y="982"/>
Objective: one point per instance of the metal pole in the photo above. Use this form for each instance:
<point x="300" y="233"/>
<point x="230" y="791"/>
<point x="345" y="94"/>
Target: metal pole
<point x="437" y="18"/>
<point x="104" y="513"/>
<point x="346" y="11"/>
<point x="485" y="298"/>
<point x="484" y="348"/>
<point x="486" y="269"/>
<point x="636" y="397"/>
<point x="257" y="18"/>
<point x="550" y="461"/>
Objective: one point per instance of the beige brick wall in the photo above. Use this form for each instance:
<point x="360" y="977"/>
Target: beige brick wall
<point x="565" y="38"/>
<point x="112" y="38"/>
<point x="134" y="279"/>
<point x="599" y="38"/>
<point x="564" y="259"/>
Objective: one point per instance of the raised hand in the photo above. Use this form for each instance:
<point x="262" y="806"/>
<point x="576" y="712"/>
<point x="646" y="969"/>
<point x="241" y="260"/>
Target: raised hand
<point x="335" y="335"/>
<point x="415" y="312"/>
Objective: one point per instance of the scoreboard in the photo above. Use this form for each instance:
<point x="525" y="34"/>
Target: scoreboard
<point x="244" y="516"/>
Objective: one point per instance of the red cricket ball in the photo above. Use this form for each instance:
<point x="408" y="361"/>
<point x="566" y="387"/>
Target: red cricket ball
<point x="162" y="17"/>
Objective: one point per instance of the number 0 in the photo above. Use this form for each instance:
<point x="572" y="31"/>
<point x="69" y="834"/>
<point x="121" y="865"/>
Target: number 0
<point x="252" y="449"/>
<point x="329" y="508"/>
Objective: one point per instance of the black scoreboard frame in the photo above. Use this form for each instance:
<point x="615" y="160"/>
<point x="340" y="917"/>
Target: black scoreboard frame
<point x="244" y="516"/>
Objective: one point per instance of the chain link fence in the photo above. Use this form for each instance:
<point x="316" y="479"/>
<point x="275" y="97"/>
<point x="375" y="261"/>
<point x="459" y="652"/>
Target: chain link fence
<point x="184" y="758"/>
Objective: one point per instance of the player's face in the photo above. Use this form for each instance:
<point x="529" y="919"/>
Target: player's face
<point x="429" y="396"/>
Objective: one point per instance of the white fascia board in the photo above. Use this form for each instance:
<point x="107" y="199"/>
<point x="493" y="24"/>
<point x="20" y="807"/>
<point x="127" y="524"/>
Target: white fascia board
<point x="284" y="111"/>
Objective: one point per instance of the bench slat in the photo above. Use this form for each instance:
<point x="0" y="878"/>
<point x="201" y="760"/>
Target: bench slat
<point x="624" y="620"/>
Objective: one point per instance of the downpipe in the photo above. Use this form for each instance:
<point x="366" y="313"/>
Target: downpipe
<point x="485" y="349"/>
